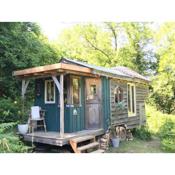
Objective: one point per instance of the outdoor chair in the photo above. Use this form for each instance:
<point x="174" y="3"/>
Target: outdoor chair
<point x="37" y="119"/>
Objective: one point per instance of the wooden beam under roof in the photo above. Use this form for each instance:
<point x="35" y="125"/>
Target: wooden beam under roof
<point x="51" y="68"/>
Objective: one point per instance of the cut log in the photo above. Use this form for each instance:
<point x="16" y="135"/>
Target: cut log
<point x="98" y="151"/>
<point x="86" y="147"/>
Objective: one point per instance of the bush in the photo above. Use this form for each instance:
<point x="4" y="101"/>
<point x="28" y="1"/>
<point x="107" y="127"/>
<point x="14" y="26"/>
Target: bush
<point x="163" y="125"/>
<point x="168" y="144"/>
<point x="9" y="141"/>
<point x="12" y="110"/>
<point x="8" y="110"/>
<point x="142" y="133"/>
<point x="7" y="127"/>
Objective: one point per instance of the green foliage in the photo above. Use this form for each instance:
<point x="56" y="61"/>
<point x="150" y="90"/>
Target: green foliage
<point x="11" y="111"/>
<point x="168" y="144"/>
<point x="22" y="45"/>
<point x="9" y="141"/>
<point x="163" y="94"/>
<point x="163" y="125"/>
<point x="109" y="44"/>
<point x="167" y="135"/>
<point x="142" y="133"/>
<point x="7" y="127"/>
<point x="8" y="110"/>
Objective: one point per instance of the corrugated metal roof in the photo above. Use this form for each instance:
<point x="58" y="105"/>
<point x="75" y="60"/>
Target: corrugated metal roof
<point x="117" y="71"/>
<point x="130" y="72"/>
<point x="99" y="68"/>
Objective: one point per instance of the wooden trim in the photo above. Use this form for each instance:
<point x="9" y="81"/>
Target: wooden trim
<point x="70" y="68"/>
<point x="45" y="92"/>
<point x="62" y="105"/>
<point x="131" y="96"/>
<point x="24" y="87"/>
<point x="56" y="82"/>
<point x="71" y="89"/>
<point x="51" y="69"/>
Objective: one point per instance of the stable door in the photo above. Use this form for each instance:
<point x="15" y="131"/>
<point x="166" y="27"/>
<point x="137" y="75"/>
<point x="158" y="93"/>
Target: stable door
<point x="93" y="103"/>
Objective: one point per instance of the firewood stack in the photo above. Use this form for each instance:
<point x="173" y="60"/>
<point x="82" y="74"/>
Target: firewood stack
<point x="104" y="141"/>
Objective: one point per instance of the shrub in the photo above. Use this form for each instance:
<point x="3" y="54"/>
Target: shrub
<point x="168" y="144"/>
<point x="166" y="129"/>
<point x="9" y="141"/>
<point x="163" y="125"/>
<point x="142" y="133"/>
<point x="7" y="127"/>
<point x="8" y="110"/>
<point x="12" y="110"/>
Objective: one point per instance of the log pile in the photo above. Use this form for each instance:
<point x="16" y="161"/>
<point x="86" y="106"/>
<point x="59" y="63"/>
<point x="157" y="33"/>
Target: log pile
<point x="121" y="132"/>
<point x="104" y="141"/>
<point x="129" y="135"/>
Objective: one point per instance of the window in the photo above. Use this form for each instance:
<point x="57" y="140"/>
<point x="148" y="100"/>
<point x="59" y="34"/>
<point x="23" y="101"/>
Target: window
<point x="93" y="89"/>
<point x="49" y="91"/>
<point x="75" y="90"/>
<point x="118" y="94"/>
<point x="131" y="100"/>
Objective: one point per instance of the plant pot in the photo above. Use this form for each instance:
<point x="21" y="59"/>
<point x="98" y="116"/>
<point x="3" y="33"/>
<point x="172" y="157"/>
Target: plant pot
<point x="23" y="128"/>
<point x="115" y="142"/>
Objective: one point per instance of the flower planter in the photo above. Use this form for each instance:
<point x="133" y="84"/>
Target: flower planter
<point x="23" y="128"/>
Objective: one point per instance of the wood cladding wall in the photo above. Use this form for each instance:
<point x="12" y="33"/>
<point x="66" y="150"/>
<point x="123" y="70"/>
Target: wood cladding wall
<point x="120" y="116"/>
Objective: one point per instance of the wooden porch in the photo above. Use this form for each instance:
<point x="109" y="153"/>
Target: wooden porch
<point x="54" y="138"/>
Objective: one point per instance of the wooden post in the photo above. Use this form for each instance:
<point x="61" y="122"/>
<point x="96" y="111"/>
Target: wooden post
<point x="24" y="87"/>
<point x="62" y="105"/>
<point x="23" y="91"/>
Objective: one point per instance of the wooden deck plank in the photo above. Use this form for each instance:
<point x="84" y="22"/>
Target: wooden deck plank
<point x="83" y="138"/>
<point x="54" y="138"/>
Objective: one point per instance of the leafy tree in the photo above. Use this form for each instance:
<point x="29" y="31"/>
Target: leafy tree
<point x="21" y="45"/>
<point x="110" y="44"/>
<point x="164" y="82"/>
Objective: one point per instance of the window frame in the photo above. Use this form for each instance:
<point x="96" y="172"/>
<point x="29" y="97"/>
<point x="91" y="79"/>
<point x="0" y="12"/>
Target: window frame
<point x="45" y="92"/>
<point x="131" y="113"/>
<point x="116" y="92"/>
<point x="72" y="103"/>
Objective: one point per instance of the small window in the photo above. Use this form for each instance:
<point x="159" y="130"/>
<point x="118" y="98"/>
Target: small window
<point x="131" y="100"/>
<point x="49" y="91"/>
<point x="118" y="94"/>
<point x="93" y="89"/>
<point x="75" y="91"/>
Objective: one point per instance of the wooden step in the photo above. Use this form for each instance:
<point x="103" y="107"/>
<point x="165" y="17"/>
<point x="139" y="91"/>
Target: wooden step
<point x="83" y="138"/>
<point x="98" y="151"/>
<point x="88" y="146"/>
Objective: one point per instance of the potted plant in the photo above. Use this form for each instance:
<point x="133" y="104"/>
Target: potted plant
<point x="114" y="138"/>
<point x="23" y="115"/>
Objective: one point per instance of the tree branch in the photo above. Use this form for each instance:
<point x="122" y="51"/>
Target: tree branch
<point x="114" y="34"/>
<point x="96" y="48"/>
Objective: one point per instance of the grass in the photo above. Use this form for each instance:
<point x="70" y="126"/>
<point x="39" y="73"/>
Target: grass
<point x="138" y="146"/>
<point x="162" y="129"/>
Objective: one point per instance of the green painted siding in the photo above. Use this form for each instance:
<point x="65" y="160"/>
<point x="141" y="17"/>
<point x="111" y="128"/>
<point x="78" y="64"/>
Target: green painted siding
<point x="52" y="110"/>
<point x="72" y="122"/>
<point x="106" y="102"/>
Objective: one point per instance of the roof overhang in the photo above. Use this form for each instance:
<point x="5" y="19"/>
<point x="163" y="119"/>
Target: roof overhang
<point x="52" y="69"/>
<point x="56" y="69"/>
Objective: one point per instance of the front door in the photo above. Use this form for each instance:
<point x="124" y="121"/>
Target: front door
<point x="93" y="103"/>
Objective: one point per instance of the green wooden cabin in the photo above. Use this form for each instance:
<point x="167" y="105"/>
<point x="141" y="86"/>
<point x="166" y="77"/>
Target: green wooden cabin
<point x="81" y="97"/>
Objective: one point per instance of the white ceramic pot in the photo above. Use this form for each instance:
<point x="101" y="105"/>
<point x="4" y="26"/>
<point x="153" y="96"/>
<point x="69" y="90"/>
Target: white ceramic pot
<point x="23" y="128"/>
